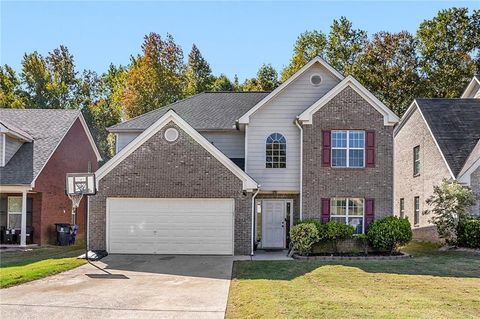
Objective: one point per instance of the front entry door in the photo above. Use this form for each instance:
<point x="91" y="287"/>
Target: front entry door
<point x="273" y="232"/>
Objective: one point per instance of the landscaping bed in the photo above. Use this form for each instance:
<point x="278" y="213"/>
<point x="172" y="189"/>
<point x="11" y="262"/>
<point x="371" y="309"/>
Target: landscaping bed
<point x="353" y="256"/>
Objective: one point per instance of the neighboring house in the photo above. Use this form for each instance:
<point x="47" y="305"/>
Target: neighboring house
<point x="221" y="173"/>
<point x="38" y="147"/>
<point x="436" y="139"/>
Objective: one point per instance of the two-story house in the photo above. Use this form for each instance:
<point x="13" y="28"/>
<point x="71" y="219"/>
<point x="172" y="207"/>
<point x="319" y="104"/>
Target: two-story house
<point x="225" y="172"/>
<point x="436" y="139"/>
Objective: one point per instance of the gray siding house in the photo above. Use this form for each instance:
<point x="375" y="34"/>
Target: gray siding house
<point x="228" y="172"/>
<point x="436" y="139"/>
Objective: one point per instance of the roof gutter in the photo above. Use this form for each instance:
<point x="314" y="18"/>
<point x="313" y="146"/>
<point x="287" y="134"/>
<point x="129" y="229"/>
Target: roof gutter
<point x="297" y="123"/>
<point x="253" y="220"/>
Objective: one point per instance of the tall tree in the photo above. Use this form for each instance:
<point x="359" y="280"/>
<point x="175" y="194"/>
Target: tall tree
<point x="101" y="100"/>
<point x="266" y="80"/>
<point x="155" y="78"/>
<point x="308" y="45"/>
<point x="222" y="83"/>
<point x="50" y="82"/>
<point x="198" y="73"/>
<point x="447" y="45"/>
<point x="11" y="95"/>
<point x="389" y="68"/>
<point x="344" y="45"/>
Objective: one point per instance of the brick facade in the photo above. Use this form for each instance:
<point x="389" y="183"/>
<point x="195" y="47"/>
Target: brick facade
<point x="432" y="169"/>
<point x="182" y="169"/>
<point x="347" y="111"/>
<point x="50" y="204"/>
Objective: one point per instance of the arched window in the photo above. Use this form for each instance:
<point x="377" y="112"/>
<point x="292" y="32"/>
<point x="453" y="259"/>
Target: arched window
<point x="276" y="151"/>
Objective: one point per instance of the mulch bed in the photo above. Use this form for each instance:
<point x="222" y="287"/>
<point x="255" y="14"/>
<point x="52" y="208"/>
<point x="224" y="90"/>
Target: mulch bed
<point x="373" y="256"/>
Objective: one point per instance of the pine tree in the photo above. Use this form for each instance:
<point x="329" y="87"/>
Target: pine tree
<point x="198" y="73"/>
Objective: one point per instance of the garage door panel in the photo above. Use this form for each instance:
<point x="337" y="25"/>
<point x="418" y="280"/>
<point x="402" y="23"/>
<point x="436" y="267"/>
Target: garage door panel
<point x="170" y="226"/>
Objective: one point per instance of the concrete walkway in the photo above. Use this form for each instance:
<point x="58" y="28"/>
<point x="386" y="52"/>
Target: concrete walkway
<point x="127" y="286"/>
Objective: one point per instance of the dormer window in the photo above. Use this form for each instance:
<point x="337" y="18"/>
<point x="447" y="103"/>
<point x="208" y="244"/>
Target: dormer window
<point x="276" y="151"/>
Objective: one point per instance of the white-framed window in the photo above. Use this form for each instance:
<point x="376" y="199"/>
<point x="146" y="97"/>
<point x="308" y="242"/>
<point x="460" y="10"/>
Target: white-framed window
<point x="416" y="160"/>
<point x="348" y="148"/>
<point x="14" y="215"/>
<point x="348" y="211"/>
<point x="276" y="151"/>
<point x="416" y="213"/>
<point x="402" y="207"/>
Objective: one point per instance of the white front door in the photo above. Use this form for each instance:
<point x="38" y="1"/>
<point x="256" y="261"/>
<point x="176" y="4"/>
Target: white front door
<point x="273" y="232"/>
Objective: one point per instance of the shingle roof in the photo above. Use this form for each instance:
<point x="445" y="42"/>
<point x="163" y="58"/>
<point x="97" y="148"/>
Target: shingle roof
<point x="209" y="110"/>
<point x="455" y="123"/>
<point x="46" y="127"/>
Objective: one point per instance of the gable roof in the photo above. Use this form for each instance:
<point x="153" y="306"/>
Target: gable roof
<point x="13" y="130"/>
<point x="389" y="118"/>
<point x="453" y="124"/>
<point x="209" y="110"/>
<point x="475" y="82"/>
<point x="171" y="116"/>
<point x="245" y="119"/>
<point x="46" y="128"/>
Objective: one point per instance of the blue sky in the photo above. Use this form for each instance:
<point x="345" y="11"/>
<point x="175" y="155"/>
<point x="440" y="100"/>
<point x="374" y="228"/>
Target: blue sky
<point x="234" y="37"/>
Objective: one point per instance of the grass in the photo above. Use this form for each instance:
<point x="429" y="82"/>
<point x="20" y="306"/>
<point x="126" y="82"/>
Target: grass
<point x="18" y="267"/>
<point x="433" y="284"/>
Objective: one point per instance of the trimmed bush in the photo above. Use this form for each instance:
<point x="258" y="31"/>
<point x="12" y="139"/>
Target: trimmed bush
<point x="468" y="233"/>
<point x="303" y="236"/>
<point x="389" y="233"/>
<point x="337" y="231"/>
<point x="322" y="233"/>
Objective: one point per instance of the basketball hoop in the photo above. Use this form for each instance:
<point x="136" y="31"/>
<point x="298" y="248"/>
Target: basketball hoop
<point x="78" y="185"/>
<point x="76" y="198"/>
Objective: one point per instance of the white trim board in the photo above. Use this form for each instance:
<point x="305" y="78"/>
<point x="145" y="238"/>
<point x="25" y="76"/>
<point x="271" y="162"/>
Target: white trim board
<point x="471" y="165"/>
<point x="389" y="118"/>
<point x="248" y="183"/>
<point x="245" y="119"/>
<point x="470" y="86"/>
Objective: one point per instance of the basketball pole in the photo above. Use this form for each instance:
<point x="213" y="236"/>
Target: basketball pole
<point x="86" y="228"/>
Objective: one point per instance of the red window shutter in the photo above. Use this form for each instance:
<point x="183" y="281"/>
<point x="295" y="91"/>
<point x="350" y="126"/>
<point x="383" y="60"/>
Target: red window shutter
<point x="325" y="210"/>
<point x="369" y="211"/>
<point x="370" y="148"/>
<point x="326" y="148"/>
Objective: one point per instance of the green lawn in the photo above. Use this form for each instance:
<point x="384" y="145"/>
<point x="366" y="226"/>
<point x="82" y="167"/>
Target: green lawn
<point x="433" y="284"/>
<point x="23" y="266"/>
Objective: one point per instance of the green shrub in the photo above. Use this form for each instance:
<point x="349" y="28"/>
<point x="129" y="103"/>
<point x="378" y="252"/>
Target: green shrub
<point x="468" y="233"/>
<point x="320" y="227"/>
<point x="337" y="231"/>
<point x="303" y="236"/>
<point x="389" y="233"/>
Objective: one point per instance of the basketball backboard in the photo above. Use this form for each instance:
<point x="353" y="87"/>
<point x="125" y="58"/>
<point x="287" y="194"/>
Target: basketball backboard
<point x="80" y="184"/>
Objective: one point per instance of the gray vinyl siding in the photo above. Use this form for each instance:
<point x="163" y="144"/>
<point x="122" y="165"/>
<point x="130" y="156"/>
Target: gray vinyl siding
<point x="11" y="147"/>
<point x="124" y="138"/>
<point x="278" y="116"/>
<point x="232" y="144"/>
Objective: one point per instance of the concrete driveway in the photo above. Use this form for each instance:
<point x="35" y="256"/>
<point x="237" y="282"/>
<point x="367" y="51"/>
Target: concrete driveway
<point x="127" y="286"/>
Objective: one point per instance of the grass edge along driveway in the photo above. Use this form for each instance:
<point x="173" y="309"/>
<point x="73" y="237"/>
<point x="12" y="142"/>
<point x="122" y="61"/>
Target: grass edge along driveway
<point x="433" y="284"/>
<point x="23" y="266"/>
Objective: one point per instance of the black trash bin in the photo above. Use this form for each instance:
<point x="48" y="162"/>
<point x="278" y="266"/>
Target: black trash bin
<point x="63" y="234"/>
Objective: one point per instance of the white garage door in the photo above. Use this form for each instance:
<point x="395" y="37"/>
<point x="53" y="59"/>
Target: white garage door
<point x="170" y="226"/>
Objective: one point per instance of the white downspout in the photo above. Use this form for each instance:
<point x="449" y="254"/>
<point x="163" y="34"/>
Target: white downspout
<point x="297" y="122"/>
<point x="253" y="219"/>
